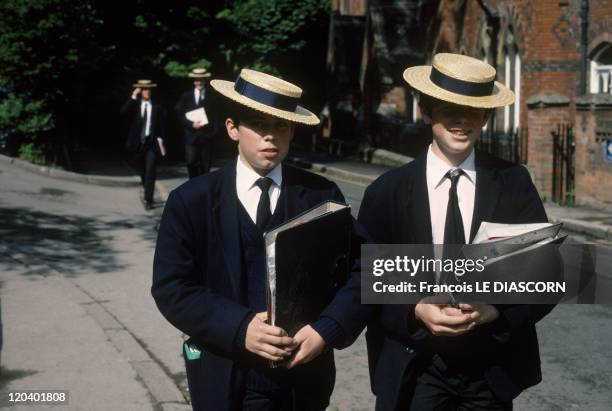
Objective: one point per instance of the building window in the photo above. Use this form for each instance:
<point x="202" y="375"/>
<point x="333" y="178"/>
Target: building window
<point x="601" y="70"/>
<point x="512" y="80"/>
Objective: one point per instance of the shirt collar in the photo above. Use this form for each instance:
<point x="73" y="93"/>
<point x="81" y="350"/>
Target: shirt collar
<point x="246" y="178"/>
<point x="437" y="168"/>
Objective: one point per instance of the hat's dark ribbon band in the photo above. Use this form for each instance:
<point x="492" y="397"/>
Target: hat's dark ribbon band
<point x="263" y="96"/>
<point x="466" y="88"/>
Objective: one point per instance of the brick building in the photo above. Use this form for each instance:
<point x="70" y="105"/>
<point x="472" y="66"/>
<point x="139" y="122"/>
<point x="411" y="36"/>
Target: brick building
<point x="555" y="55"/>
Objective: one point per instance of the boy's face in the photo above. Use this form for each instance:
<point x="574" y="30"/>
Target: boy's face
<point x="146" y="94"/>
<point x="455" y="128"/>
<point x="198" y="83"/>
<point x="263" y="140"/>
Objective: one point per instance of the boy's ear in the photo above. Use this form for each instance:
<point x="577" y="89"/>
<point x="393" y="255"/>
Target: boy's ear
<point x="232" y="129"/>
<point x="292" y="125"/>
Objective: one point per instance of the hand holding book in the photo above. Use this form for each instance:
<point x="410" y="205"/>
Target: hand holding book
<point x="268" y="341"/>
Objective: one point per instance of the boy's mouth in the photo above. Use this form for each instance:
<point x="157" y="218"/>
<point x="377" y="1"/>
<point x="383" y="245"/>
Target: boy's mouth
<point x="459" y="132"/>
<point x="269" y="152"/>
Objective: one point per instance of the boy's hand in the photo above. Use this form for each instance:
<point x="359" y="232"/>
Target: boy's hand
<point x="196" y="125"/>
<point x="309" y="346"/>
<point x="443" y="320"/>
<point x="267" y="341"/>
<point x="136" y="92"/>
<point x="481" y="313"/>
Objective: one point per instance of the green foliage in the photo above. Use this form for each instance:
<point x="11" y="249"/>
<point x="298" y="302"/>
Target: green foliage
<point x="180" y="70"/>
<point x="68" y="65"/>
<point x="28" y="119"/>
<point x="33" y="153"/>
<point x="44" y="44"/>
<point x="266" y="29"/>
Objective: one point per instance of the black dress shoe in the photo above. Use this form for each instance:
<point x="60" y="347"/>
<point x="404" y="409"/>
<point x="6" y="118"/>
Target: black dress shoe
<point x="149" y="205"/>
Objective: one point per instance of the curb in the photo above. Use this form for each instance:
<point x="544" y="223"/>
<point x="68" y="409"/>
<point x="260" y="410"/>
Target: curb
<point x="385" y="157"/>
<point x="331" y="171"/>
<point x="584" y="227"/>
<point x="69" y="175"/>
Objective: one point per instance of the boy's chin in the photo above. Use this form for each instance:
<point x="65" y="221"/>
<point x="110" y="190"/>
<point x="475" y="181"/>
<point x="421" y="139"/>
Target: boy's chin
<point x="263" y="167"/>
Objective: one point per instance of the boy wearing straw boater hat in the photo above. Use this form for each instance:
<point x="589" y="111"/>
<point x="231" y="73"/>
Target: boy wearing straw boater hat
<point x="208" y="277"/>
<point x="438" y="356"/>
<point x="145" y="140"/>
<point x="198" y="134"/>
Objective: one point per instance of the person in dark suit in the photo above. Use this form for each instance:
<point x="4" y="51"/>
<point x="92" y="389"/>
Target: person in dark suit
<point x="432" y="355"/>
<point x="146" y="121"/>
<point x="198" y="135"/>
<point x="209" y="268"/>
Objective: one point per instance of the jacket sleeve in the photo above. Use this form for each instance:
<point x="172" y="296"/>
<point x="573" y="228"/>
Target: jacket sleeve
<point x="376" y="216"/>
<point x="129" y="107"/>
<point x="515" y="319"/>
<point x="160" y="122"/>
<point x="180" y="111"/>
<point x="212" y="320"/>
<point x="346" y="308"/>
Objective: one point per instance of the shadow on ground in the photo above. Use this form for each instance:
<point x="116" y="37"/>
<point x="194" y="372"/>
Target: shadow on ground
<point x="69" y="244"/>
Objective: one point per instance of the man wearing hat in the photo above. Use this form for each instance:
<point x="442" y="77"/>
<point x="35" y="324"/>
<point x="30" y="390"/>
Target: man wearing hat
<point x="434" y="356"/>
<point x="197" y="134"/>
<point x="146" y="121"/>
<point x="209" y="267"/>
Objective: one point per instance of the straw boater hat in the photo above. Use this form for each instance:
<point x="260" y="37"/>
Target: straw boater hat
<point x="267" y="94"/>
<point x="461" y="80"/>
<point x="144" y="84"/>
<point x="199" y="73"/>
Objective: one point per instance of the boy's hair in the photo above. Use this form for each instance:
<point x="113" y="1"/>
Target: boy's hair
<point x="237" y="112"/>
<point x="428" y="103"/>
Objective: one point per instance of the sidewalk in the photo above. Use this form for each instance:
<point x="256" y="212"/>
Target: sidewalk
<point x="98" y="170"/>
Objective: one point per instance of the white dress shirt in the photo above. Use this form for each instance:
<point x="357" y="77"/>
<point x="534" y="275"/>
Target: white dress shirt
<point x="437" y="189"/>
<point x="248" y="192"/>
<point x="196" y="95"/>
<point x="146" y="105"/>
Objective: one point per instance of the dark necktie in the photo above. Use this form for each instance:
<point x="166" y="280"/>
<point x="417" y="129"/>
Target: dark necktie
<point x="453" y="227"/>
<point x="263" y="208"/>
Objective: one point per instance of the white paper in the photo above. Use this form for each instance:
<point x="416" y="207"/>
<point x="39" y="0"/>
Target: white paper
<point x="197" y="116"/>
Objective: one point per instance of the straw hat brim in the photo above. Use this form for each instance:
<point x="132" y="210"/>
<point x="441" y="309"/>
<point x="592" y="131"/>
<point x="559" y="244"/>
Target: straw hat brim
<point x="205" y="75"/>
<point x="300" y="115"/>
<point x="418" y="77"/>
<point x="152" y="85"/>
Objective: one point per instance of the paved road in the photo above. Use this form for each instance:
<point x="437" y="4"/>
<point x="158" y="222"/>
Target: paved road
<point x="77" y="315"/>
<point x="76" y="309"/>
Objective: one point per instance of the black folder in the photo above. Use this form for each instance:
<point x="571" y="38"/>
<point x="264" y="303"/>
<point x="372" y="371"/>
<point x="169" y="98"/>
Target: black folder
<point x="307" y="260"/>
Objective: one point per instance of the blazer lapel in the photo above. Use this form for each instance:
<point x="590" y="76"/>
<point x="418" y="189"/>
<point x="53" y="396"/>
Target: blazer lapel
<point x="294" y="192"/>
<point x="225" y="212"/>
<point x="418" y="203"/>
<point x="488" y="188"/>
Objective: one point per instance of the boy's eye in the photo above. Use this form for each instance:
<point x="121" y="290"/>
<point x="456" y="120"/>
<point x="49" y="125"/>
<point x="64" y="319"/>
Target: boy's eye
<point x="281" y="125"/>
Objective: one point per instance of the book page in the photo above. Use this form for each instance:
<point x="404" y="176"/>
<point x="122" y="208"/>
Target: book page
<point x="493" y="231"/>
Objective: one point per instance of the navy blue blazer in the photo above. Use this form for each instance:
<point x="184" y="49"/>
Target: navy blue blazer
<point x="395" y="210"/>
<point x="196" y="274"/>
<point x="187" y="103"/>
<point x="130" y="111"/>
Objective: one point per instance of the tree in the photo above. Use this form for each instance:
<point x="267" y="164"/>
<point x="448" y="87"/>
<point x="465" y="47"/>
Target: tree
<point x="68" y="65"/>
<point x="45" y="46"/>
